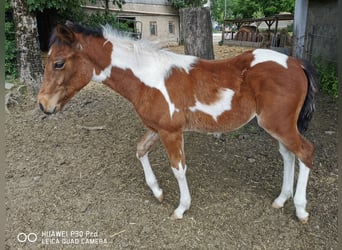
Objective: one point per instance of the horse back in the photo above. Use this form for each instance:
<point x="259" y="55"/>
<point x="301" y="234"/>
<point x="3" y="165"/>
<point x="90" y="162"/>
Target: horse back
<point x="223" y="95"/>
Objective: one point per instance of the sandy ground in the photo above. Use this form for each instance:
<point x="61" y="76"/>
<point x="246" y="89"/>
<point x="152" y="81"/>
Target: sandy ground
<point x="87" y="185"/>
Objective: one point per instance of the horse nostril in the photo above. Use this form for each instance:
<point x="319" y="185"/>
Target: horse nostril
<point x="47" y="112"/>
<point x="41" y="107"/>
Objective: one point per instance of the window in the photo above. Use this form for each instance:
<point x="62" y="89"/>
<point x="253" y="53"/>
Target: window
<point x="153" y="28"/>
<point x="171" y="27"/>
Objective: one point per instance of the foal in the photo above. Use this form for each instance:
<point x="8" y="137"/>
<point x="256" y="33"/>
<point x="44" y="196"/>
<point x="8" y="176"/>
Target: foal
<point x="174" y="93"/>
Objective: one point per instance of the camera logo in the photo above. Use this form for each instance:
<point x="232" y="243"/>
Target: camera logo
<point x="30" y="237"/>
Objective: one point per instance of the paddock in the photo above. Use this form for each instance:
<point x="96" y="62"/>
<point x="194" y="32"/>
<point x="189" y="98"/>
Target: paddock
<point x="77" y="170"/>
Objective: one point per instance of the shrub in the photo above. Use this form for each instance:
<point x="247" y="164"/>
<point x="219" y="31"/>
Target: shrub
<point x="102" y="17"/>
<point x="11" y="70"/>
<point x="328" y="77"/>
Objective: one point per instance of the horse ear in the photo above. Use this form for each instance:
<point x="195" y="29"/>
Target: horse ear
<point x="65" y="34"/>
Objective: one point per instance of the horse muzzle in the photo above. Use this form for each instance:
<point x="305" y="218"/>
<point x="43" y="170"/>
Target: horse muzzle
<point x="48" y="112"/>
<point x="48" y="104"/>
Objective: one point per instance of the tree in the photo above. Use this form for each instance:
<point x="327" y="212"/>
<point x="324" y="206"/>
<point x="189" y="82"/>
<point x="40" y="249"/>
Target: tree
<point x="249" y="8"/>
<point x="30" y="67"/>
<point x="179" y="4"/>
<point x="196" y="28"/>
<point x="197" y="32"/>
<point x="271" y="7"/>
<point x="10" y="45"/>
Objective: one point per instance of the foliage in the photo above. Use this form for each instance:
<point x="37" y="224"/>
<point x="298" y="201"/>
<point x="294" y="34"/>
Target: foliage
<point x="10" y="45"/>
<point x="258" y="14"/>
<point x="41" y="5"/>
<point x="249" y="8"/>
<point x="327" y="77"/>
<point x="98" y="19"/>
<point x="67" y="10"/>
<point x="179" y="4"/>
<point x="72" y="10"/>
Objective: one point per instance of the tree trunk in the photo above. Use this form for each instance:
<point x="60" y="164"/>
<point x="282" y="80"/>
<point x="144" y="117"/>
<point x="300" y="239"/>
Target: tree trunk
<point x="196" y="29"/>
<point x="30" y="65"/>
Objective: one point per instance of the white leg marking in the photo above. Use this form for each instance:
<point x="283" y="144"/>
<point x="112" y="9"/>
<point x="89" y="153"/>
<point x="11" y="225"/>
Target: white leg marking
<point x="289" y="166"/>
<point x="300" y="196"/>
<point x="185" y="198"/>
<point x="151" y="178"/>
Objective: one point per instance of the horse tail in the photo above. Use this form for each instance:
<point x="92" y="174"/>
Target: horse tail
<point x="308" y="107"/>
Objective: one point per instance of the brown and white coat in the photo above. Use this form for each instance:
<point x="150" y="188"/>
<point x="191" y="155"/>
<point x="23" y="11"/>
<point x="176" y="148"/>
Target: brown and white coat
<point x="173" y="93"/>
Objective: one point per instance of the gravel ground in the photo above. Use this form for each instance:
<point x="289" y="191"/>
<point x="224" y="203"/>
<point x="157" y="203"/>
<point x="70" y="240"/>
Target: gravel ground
<point x="75" y="173"/>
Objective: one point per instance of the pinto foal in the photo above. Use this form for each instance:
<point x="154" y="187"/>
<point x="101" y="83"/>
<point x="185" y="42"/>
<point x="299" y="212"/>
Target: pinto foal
<point x="173" y="93"/>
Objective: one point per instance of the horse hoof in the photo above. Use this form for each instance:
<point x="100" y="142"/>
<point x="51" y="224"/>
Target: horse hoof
<point x="174" y="217"/>
<point x="276" y="205"/>
<point x="304" y="220"/>
<point x="303" y="216"/>
<point x="160" y="198"/>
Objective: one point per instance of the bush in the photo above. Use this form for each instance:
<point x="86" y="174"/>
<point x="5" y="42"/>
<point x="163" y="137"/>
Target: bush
<point x="11" y="70"/>
<point x="328" y="78"/>
<point x="102" y="18"/>
<point x="95" y="19"/>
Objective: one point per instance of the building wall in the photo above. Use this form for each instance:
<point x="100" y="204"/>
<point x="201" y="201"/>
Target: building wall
<point x="149" y="12"/>
<point x="161" y="7"/>
<point x="163" y="36"/>
<point x="322" y="30"/>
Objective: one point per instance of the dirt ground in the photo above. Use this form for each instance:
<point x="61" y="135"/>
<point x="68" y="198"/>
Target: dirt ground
<point x="73" y="182"/>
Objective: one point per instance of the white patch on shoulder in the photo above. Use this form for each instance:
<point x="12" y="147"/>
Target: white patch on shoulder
<point x="103" y="75"/>
<point x="148" y="63"/>
<point x="266" y="55"/>
<point x="224" y="103"/>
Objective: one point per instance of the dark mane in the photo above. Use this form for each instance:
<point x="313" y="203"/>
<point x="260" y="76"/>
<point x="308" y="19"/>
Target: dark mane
<point x="77" y="28"/>
<point x="86" y="31"/>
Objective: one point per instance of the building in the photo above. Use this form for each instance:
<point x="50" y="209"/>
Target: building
<point x="154" y="20"/>
<point x="316" y="29"/>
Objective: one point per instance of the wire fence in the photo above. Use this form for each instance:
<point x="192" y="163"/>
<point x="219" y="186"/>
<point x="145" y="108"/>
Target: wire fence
<point x="321" y="46"/>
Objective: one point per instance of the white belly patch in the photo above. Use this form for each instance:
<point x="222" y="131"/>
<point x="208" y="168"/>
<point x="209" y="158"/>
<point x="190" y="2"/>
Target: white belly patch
<point x="215" y="109"/>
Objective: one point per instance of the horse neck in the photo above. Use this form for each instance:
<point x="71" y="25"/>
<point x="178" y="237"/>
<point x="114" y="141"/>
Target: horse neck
<point x="124" y="82"/>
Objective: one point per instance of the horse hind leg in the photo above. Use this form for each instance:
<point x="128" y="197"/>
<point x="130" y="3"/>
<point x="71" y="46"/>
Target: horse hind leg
<point x="293" y="143"/>
<point x="300" y="196"/>
<point x="288" y="178"/>
<point x="303" y="153"/>
<point x="143" y="147"/>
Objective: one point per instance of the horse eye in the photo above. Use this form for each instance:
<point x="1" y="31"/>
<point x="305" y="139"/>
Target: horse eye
<point x="59" y="65"/>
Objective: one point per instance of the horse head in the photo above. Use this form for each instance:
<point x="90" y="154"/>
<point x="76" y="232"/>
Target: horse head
<point x="67" y="69"/>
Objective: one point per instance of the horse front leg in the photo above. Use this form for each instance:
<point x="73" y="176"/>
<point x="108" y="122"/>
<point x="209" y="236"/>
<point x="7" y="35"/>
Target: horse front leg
<point x="173" y="143"/>
<point x="143" y="147"/>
